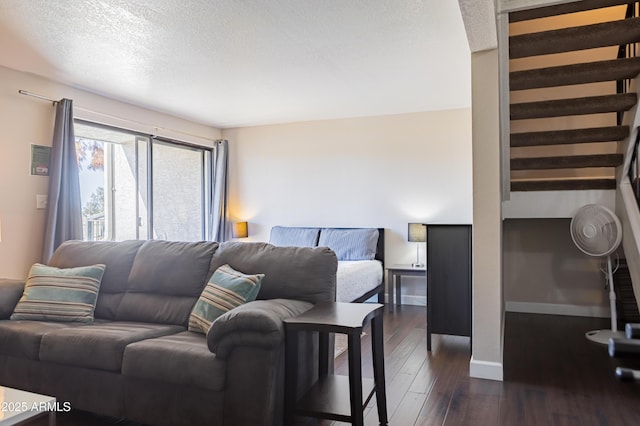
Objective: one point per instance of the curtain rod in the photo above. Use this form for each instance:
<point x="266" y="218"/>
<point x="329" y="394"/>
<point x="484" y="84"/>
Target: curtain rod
<point x="35" y="95"/>
<point x="44" y="98"/>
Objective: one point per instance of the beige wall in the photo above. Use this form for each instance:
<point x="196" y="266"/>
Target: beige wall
<point x="544" y="270"/>
<point x="25" y="121"/>
<point x="362" y="172"/>
<point x="487" y="327"/>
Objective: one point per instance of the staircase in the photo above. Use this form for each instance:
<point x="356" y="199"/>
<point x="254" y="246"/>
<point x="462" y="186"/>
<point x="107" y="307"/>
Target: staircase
<point x="568" y="66"/>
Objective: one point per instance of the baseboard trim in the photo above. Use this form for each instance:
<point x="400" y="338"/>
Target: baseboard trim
<point x="485" y="370"/>
<point x="558" y="309"/>
<point x="414" y="300"/>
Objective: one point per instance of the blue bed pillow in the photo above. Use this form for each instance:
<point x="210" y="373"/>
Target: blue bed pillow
<point x="351" y="244"/>
<point x="294" y="237"/>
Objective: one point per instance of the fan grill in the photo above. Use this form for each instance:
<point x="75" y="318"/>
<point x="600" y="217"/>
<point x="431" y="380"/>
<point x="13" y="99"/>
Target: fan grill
<point x="596" y="230"/>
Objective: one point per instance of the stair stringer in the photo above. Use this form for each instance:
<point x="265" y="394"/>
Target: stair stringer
<point x="626" y="204"/>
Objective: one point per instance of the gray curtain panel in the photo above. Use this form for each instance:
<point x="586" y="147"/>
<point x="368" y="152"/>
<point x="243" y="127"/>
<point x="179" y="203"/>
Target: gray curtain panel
<point x="220" y="229"/>
<point x="64" y="209"/>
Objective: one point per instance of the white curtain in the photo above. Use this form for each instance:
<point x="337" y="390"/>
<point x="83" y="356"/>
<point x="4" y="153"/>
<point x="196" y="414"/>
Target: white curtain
<point x="220" y="229"/>
<point x="64" y="209"/>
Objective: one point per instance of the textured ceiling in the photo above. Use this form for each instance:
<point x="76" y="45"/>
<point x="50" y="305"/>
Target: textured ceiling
<point x="480" y="23"/>
<point x="230" y="63"/>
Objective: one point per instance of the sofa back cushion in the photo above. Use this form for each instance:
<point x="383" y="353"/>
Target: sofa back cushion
<point x="118" y="260"/>
<point x="166" y="279"/>
<point x="301" y="273"/>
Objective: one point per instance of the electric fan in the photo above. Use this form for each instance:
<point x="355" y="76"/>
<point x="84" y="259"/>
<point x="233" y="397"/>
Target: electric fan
<point x="596" y="231"/>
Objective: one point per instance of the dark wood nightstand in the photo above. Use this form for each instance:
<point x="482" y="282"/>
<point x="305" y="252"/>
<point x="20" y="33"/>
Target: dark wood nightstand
<point x="336" y="397"/>
<point x="394" y="281"/>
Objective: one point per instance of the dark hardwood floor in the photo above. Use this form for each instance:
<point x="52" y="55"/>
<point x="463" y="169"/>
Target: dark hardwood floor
<point x="553" y="376"/>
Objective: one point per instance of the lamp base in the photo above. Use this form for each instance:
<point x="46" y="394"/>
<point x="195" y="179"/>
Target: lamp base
<point x="417" y="265"/>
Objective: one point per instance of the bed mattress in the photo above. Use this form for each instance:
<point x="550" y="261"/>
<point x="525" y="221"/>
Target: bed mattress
<point x="357" y="277"/>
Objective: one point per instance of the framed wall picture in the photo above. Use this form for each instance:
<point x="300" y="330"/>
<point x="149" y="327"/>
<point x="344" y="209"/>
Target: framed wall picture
<point x="40" y="157"/>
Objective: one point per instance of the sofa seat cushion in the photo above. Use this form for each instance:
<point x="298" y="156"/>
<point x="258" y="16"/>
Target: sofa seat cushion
<point x="22" y="338"/>
<point x="100" y="346"/>
<point x="181" y="359"/>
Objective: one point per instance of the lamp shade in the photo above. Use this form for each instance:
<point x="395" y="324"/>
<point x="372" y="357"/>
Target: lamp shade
<point x="240" y="230"/>
<point x="417" y="232"/>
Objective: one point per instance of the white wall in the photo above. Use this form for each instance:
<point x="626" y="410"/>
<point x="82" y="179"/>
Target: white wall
<point x="362" y="172"/>
<point x="545" y="272"/>
<point x="24" y="121"/>
<point x="488" y="318"/>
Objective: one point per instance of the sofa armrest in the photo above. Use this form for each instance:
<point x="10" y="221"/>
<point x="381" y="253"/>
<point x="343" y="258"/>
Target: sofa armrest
<point x="258" y="324"/>
<point x="10" y="293"/>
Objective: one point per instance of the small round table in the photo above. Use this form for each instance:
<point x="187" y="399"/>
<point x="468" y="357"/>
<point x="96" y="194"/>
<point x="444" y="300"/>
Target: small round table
<point x="336" y="397"/>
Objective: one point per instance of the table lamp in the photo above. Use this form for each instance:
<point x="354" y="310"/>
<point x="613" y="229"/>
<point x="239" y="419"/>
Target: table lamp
<point x="417" y="234"/>
<point x="240" y="230"/>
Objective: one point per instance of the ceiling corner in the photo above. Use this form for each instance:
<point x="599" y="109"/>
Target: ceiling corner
<point x="479" y="17"/>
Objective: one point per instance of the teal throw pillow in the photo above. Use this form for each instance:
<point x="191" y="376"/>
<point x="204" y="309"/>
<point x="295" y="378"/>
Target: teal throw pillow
<point x="54" y="294"/>
<point x="227" y="289"/>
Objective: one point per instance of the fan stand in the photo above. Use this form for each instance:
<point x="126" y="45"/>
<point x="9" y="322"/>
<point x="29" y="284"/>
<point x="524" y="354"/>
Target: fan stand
<point x="602" y="336"/>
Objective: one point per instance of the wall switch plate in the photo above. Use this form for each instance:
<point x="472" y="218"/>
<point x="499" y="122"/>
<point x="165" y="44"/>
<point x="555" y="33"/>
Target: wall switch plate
<point x="41" y="201"/>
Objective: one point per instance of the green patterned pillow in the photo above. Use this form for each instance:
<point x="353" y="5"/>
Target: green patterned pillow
<point x="53" y="294"/>
<point x="227" y="289"/>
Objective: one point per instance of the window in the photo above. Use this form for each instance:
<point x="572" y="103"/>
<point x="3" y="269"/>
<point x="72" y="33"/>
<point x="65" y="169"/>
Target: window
<point x="134" y="186"/>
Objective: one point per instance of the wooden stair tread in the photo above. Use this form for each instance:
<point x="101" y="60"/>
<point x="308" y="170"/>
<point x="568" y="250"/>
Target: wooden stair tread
<point x="592" y="72"/>
<point x="604" y="34"/>
<point x="563" y="184"/>
<point x="613" y="33"/>
<point x="574" y="106"/>
<point x="561" y="9"/>
<point x="573" y="136"/>
<point x="566" y="162"/>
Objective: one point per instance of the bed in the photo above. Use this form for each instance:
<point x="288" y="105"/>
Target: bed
<point x="360" y="252"/>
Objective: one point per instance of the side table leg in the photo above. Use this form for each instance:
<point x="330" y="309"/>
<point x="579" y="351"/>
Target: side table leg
<point x="290" y="376"/>
<point x="355" y="377"/>
<point x="378" y="368"/>
<point x="398" y="286"/>
<point x="390" y="290"/>
<point x="325" y="361"/>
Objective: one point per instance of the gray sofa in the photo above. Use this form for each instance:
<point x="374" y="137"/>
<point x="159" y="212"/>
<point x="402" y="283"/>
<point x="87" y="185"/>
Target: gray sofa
<point x="138" y="361"/>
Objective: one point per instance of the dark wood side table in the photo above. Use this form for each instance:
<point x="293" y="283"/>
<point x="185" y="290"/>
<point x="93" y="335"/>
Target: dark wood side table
<point x="394" y="281"/>
<point x="336" y="397"/>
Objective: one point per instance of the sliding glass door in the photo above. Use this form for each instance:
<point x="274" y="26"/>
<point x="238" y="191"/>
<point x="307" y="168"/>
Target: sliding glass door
<point x="178" y="192"/>
<point x="134" y="186"/>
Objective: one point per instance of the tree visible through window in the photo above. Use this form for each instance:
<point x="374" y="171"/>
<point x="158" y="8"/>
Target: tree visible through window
<point x="90" y="155"/>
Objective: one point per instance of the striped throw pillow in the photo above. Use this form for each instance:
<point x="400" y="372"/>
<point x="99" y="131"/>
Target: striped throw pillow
<point x="226" y="290"/>
<point x="54" y="294"/>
